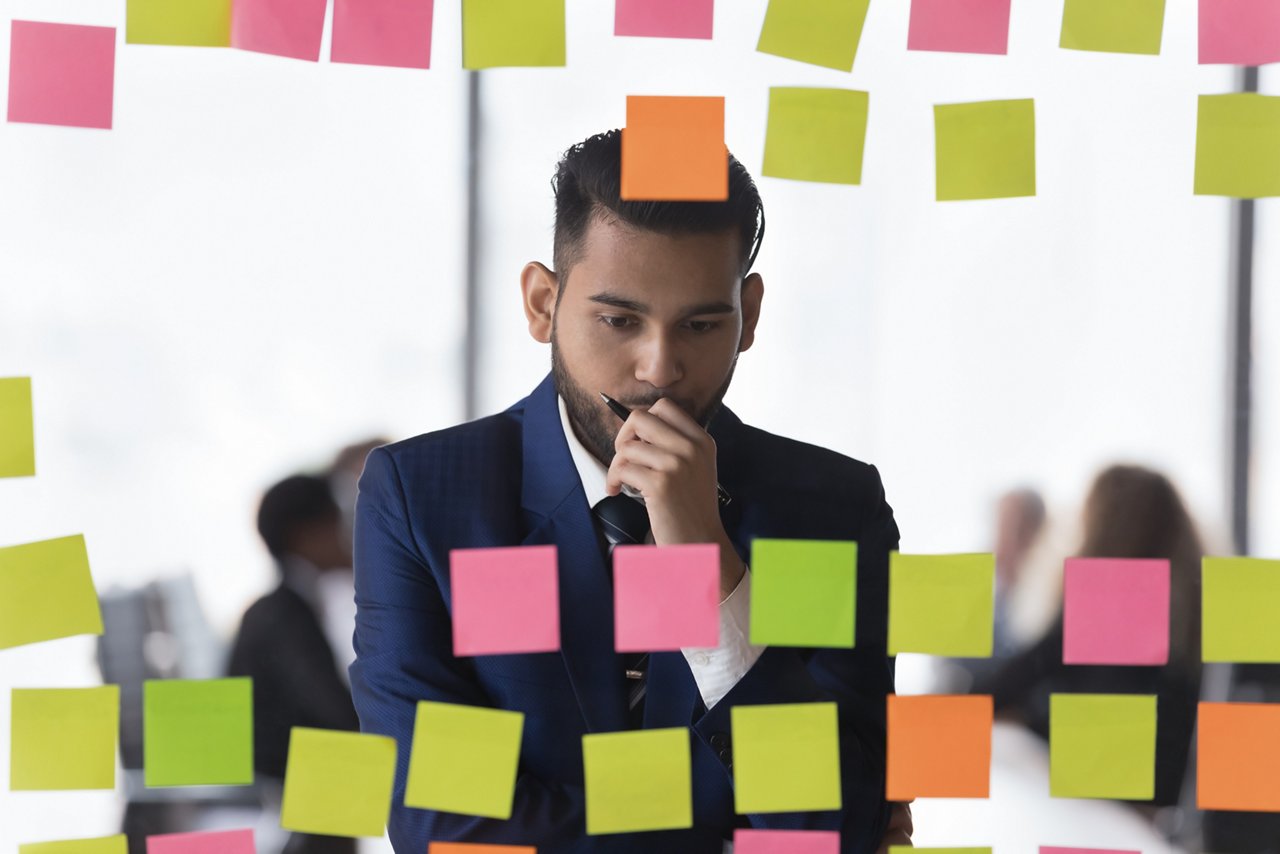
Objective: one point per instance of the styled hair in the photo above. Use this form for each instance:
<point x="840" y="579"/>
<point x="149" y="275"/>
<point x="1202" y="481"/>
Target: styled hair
<point x="291" y="505"/>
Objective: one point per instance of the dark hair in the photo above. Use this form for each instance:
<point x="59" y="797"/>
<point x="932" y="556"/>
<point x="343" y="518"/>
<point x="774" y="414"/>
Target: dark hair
<point x="291" y="504"/>
<point x="588" y="184"/>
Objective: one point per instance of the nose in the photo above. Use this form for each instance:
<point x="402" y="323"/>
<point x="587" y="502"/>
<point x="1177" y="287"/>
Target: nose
<point x="658" y="363"/>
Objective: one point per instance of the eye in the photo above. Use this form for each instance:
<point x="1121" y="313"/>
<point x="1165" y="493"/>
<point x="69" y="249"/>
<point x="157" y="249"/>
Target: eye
<point x="614" y="321"/>
<point x="703" y="325"/>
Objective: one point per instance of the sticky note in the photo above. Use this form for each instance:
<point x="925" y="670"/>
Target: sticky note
<point x="1113" y="26"/>
<point x="942" y="604"/>
<point x="505" y="600"/>
<point x="464" y="759"/>
<point x="1240" y="597"/>
<point x="1055" y="849"/>
<point x="1115" y="611"/>
<point x="383" y="32"/>
<point x="64" y="738"/>
<point x="118" y="844"/>
<point x="803" y="592"/>
<point x="986" y="149"/>
<point x="61" y="74"/>
<point x="290" y="28"/>
<point x="513" y="33"/>
<point x="46" y="592"/>
<point x="192" y="23"/>
<point x="819" y="32"/>
<point x="666" y="597"/>
<point x="207" y="842"/>
<point x="1239" y="32"/>
<point x="816" y="134"/>
<point x="909" y="849"/>
<point x="338" y="783"/>
<point x="1237" y="753"/>
<point x="1238" y="146"/>
<point x="938" y="747"/>
<point x="785" y="841"/>
<point x="672" y="19"/>
<point x="673" y="149"/>
<point x="197" y="732"/>
<point x="638" y="780"/>
<point x="959" y="26"/>
<point x="786" y="757"/>
<point x="1102" y="746"/>
<point x="17" y="431"/>
<point x="478" y="848"/>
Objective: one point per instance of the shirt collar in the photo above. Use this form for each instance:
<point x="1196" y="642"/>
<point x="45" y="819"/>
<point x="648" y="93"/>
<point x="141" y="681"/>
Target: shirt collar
<point x="591" y="471"/>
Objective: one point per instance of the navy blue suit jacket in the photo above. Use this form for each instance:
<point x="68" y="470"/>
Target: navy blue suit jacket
<point x="508" y="479"/>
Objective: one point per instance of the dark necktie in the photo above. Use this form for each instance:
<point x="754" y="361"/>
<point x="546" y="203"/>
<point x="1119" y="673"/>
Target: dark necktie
<point x="625" y="521"/>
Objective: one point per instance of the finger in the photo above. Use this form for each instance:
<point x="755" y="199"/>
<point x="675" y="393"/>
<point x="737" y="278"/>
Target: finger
<point x="652" y="429"/>
<point x="650" y="456"/>
<point x="675" y="415"/>
<point x="633" y="475"/>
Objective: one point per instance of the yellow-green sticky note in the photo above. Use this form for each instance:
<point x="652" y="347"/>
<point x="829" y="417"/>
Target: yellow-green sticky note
<point x="464" y="759"/>
<point x="46" y="592"/>
<point x="1240" y="597"/>
<point x="1113" y="26"/>
<point x="1102" y="746"/>
<point x="64" y="738"/>
<point x="986" y="149"/>
<point x="786" y="757"/>
<point x="638" y="780"/>
<point x="197" y="732"/>
<point x="820" y="32"/>
<point x="117" y="844"/>
<point x="17" y="433"/>
<point x="338" y="783"/>
<point x="941" y="604"/>
<point x="803" y="592"/>
<point x="1238" y="146"/>
<point x="816" y="134"/>
<point x="192" y="23"/>
<point x="513" y="33"/>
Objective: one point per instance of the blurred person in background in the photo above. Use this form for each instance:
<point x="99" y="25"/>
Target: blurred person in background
<point x="1020" y="519"/>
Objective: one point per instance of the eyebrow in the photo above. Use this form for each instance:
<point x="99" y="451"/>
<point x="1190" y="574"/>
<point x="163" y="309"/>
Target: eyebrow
<point x="611" y="299"/>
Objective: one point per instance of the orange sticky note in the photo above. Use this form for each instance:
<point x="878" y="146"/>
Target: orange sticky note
<point x="1238" y="751"/>
<point x="673" y="150"/>
<point x="938" y="747"/>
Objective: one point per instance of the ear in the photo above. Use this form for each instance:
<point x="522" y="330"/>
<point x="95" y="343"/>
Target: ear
<point x="539" y="286"/>
<point x="752" y="294"/>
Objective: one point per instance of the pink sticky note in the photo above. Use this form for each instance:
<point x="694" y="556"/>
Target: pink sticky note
<point x="959" y="26"/>
<point x="61" y="74"/>
<point x="383" y="32"/>
<point x="1050" y="849"/>
<point x="1115" y="611"/>
<point x="282" y="27"/>
<point x="786" y="842"/>
<point x="666" y="597"/>
<point x="672" y="19"/>
<point x="1239" y="32"/>
<point x="505" y="600"/>
<point x="213" y="842"/>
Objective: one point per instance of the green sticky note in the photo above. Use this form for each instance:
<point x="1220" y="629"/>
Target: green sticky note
<point x="1238" y="146"/>
<point x="17" y="433"/>
<point x="1114" y="26"/>
<point x="786" y="757"/>
<point x="64" y="738"/>
<point x="198" y="732"/>
<point x="986" y="149"/>
<point x="1102" y="746"/>
<point x="820" y="32"/>
<point x="638" y="780"/>
<point x="338" y="783"/>
<point x="1240" y="597"/>
<point x="46" y="592"/>
<point x="816" y="134"/>
<point x="464" y="759"/>
<point x="803" y="592"/>
<point x="512" y="33"/>
<point x="100" y="845"/>
<point x="942" y="604"/>
<point x="194" y="23"/>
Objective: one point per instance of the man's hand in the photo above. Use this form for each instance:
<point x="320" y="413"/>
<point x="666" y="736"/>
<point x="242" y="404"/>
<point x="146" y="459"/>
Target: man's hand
<point x="900" y="828"/>
<point x="666" y="455"/>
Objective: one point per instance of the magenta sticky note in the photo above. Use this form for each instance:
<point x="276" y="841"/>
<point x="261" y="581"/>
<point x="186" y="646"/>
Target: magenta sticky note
<point x="289" y="28"/>
<point x="383" y="32"/>
<point x="209" y="842"/>
<point x="1116" y="611"/>
<point x="672" y="19"/>
<point x="505" y="600"/>
<point x="666" y="597"/>
<point x="786" y="842"/>
<point x="959" y="26"/>
<point x="61" y="74"/>
<point x="1239" y="32"/>
<point x="1052" y="849"/>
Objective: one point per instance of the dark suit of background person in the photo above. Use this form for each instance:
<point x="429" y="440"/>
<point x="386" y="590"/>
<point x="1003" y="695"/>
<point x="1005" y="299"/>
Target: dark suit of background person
<point x="281" y="643"/>
<point x="509" y="480"/>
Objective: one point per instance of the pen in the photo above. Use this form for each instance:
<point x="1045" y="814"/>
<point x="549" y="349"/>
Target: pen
<point x="622" y="412"/>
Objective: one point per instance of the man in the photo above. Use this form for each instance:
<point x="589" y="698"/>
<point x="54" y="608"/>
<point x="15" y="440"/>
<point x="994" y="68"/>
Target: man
<point x="650" y="303"/>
